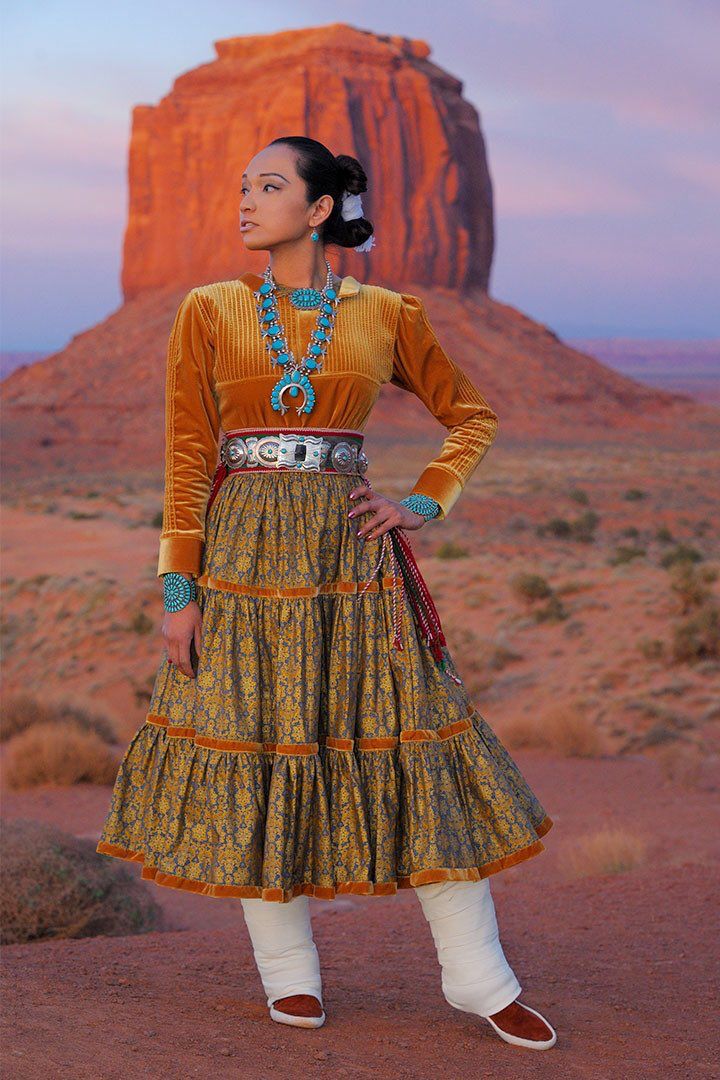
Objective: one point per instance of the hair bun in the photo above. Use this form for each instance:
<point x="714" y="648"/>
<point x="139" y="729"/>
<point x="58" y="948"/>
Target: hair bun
<point x="352" y="173"/>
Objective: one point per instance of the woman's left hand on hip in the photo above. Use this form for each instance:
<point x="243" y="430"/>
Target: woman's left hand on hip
<point x="387" y="513"/>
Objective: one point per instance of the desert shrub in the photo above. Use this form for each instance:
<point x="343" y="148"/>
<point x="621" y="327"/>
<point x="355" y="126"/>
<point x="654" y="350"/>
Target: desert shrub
<point x="566" y="730"/>
<point x="157" y="520"/>
<point x="552" y="611"/>
<point x="530" y="587"/>
<point x="670" y="724"/>
<point x="141" y="623"/>
<point x="579" y="496"/>
<point x="663" y="535"/>
<point x="450" y="550"/>
<point x="556" y="526"/>
<point x="625" y="554"/>
<point x="496" y="657"/>
<point x="652" y="709"/>
<point x="634" y="495"/>
<point x="660" y="733"/>
<point x="690" y="585"/>
<point x="652" y="648"/>
<point x="57" y="753"/>
<point x="38" y="580"/>
<point x="607" y="851"/>
<point x="581" y="528"/>
<point x="533" y="587"/>
<point x="499" y="656"/>
<point x="697" y="637"/>
<point x="22" y="711"/>
<point x="56" y="885"/>
<point x="681" y="553"/>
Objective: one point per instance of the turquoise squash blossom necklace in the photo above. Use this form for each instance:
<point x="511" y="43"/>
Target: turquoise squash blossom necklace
<point x="295" y="379"/>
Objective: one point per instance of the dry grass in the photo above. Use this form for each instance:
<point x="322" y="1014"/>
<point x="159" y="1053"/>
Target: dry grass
<point x="22" y="711"/>
<point x="478" y="599"/>
<point x="691" y="585"/>
<point x="451" y="550"/>
<point x="530" y="587"/>
<point x="697" y="637"/>
<point x="607" y="851"/>
<point x="57" y="753"/>
<point x="566" y="730"/>
<point x="652" y="648"/>
<point x="56" y="885"/>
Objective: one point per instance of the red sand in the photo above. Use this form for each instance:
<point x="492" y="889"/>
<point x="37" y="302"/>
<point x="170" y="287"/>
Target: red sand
<point x="621" y="964"/>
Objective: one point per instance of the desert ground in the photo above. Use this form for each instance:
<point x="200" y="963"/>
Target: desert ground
<point x="597" y="678"/>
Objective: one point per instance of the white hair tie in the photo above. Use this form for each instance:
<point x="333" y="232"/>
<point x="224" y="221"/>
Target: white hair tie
<point x="352" y="208"/>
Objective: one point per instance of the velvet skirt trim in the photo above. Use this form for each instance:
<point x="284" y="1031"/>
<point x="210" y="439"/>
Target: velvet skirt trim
<point x="309" y="755"/>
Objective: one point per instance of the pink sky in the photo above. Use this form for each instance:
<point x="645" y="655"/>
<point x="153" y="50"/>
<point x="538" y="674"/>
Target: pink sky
<point x="600" y="121"/>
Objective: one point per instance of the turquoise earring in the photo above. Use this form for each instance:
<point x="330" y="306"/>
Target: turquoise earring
<point x="314" y="235"/>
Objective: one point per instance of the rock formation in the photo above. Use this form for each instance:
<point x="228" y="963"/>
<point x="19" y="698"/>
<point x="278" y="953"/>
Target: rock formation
<point x="98" y="404"/>
<point x="374" y="96"/>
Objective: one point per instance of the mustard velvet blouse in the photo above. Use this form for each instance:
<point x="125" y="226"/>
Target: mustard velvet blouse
<point x="219" y="377"/>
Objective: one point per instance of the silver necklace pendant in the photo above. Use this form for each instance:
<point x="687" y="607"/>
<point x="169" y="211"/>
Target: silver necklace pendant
<point x="295" y="380"/>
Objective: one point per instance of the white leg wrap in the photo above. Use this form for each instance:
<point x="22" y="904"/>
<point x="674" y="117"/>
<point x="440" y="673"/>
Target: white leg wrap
<point x="285" y="953"/>
<point x="476" y="976"/>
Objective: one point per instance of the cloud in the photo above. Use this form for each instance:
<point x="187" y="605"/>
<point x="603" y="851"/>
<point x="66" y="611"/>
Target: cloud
<point x="529" y="185"/>
<point x="516" y="12"/>
<point x="64" y="177"/>
<point x="59" y="136"/>
<point x="650" y="64"/>
<point x="696" y="168"/>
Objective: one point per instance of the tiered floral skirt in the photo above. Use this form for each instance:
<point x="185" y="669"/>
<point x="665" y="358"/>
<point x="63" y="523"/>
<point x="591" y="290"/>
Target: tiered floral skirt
<point x="309" y="755"/>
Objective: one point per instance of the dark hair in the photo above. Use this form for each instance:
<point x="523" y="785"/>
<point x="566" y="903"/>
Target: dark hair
<point x="325" y="174"/>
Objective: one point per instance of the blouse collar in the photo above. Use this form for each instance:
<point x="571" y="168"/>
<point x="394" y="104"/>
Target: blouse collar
<point x="349" y="285"/>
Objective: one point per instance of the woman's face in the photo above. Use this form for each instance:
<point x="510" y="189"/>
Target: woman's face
<point x="273" y="201"/>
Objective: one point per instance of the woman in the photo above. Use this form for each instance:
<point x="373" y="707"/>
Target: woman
<point x="308" y="734"/>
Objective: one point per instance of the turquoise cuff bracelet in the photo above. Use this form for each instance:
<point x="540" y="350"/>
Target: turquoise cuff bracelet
<point x="178" y="591"/>
<point x="422" y="504"/>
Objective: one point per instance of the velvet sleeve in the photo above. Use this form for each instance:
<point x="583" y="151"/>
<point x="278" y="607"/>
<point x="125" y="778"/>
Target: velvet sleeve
<point x="421" y="366"/>
<point x="192" y="427"/>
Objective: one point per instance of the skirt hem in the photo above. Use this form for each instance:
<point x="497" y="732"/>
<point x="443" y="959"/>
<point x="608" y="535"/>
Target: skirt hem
<point x="329" y="892"/>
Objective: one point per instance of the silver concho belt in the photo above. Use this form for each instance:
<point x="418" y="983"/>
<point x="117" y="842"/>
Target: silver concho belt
<point x="295" y="450"/>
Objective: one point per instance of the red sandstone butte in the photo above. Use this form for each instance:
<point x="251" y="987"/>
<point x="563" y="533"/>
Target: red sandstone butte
<point x="375" y="96"/>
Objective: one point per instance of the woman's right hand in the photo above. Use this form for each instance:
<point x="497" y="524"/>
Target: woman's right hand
<point x="179" y="629"/>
